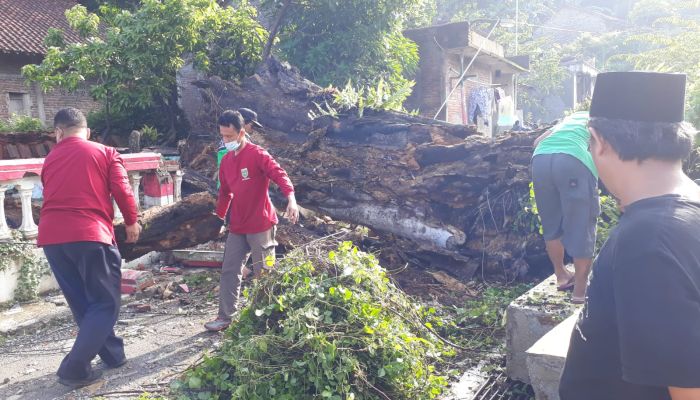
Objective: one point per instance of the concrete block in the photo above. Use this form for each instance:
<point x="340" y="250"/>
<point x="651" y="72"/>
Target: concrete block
<point x="199" y="258"/>
<point x="529" y="318"/>
<point x="8" y="280"/>
<point x="148" y="259"/>
<point x="134" y="281"/>
<point x="546" y="359"/>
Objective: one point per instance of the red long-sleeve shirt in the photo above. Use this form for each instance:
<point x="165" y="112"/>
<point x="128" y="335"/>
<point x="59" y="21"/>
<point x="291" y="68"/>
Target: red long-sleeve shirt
<point x="80" y="178"/>
<point x="245" y="178"/>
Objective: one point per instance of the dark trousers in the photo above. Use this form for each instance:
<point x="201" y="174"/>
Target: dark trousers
<point x="89" y="274"/>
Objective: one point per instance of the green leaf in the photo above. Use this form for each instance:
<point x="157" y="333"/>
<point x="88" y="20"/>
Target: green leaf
<point x="194" y="382"/>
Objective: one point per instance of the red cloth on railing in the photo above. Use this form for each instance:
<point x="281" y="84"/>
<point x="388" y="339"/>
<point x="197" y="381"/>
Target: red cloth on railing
<point x="80" y="178"/>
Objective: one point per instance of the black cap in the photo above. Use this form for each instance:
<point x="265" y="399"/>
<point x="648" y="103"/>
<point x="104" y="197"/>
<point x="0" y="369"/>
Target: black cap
<point x="250" y="117"/>
<point x="639" y="96"/>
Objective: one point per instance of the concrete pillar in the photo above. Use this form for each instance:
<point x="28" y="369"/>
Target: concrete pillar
<point x="4" y="229"/>
<point x="117" y="212"/>
<point x="158" y="190"/>
<point x="177" y="183"/>
<point x="135" y="180"/>
<point x="28" y="227"/>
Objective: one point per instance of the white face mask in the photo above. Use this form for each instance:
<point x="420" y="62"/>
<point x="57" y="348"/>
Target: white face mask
<point x="232" y="146"/>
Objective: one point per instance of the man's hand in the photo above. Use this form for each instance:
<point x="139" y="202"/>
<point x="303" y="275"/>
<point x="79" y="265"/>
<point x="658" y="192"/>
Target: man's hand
<point x="684" y="394"/>
<point x="133" y="232"/>
<point x="292" y="213"/>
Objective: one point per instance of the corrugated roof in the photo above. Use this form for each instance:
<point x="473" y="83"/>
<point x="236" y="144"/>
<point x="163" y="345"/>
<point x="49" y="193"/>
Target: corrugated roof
<point x="24" y="24"/>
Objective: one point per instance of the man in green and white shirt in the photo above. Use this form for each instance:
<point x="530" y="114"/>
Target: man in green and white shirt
<point x="565" y="180"/>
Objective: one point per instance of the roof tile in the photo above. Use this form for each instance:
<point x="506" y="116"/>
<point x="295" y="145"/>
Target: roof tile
<point x="26" y="22"/>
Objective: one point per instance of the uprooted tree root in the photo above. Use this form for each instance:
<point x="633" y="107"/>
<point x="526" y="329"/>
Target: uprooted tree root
<point x="325" y="323"/>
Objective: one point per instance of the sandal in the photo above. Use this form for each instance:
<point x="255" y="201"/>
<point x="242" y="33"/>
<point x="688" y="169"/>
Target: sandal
<point x="578" y="300"/>
<point x="568" y="285"/>
<point x="217" y="325"/>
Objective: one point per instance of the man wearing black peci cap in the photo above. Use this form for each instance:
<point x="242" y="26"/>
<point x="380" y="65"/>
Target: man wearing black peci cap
<point x="638" y="336"/>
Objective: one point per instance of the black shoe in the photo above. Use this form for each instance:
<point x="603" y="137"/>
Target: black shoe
<point x="80" y="382"/>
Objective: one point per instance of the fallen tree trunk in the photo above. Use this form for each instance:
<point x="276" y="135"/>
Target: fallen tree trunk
<point x="184" y="224"/>
<point x="451" y="196"/>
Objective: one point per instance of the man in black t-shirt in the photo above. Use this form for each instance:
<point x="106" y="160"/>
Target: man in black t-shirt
<point x="638" y="336"/>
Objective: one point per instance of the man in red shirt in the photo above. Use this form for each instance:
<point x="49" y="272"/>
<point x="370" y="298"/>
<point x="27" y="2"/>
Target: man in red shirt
<point x="245" y="175"/>
<point x="80" y="179"/>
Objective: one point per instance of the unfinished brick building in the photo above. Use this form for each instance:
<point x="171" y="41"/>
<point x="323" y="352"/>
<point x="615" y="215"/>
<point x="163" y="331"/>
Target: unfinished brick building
<point x="445" y="53"/>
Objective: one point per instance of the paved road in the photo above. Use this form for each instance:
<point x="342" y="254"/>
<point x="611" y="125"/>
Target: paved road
<point x="160" y="345"/>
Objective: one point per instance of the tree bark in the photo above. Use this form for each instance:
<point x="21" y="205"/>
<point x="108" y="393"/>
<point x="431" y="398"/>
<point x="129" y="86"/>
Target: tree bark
<point x="451" y="197"/>
<point x="275" y="29"/>
<point x="180" y="225"/>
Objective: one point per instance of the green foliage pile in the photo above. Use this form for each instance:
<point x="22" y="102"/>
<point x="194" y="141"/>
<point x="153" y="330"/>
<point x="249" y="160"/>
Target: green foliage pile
<point x="21" y="123"/>
<point x="128" y="59"/>
<point x="328" y="326"/>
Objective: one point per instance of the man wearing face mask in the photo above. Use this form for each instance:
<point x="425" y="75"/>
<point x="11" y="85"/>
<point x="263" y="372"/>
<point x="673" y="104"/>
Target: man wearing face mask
<point x="244" y="175"/>
<point x="250" y="120"/>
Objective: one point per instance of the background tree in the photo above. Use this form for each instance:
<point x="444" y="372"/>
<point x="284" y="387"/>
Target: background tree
<point x="129" y="58"/>
<point x="666" y="41"/>
<point x="333" y="42"/>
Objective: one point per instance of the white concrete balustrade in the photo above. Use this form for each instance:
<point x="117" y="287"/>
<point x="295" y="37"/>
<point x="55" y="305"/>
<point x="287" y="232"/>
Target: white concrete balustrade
<point x="24" y="174"/>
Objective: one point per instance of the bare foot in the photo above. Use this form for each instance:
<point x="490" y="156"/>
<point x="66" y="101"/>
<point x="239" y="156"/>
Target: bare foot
<point x="579" y="292"/>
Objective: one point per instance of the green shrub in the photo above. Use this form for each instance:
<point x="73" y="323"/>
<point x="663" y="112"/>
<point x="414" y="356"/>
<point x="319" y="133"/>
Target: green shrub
<point x="380" y="96"/>
<point x="149" y="135"/>
<point x="21" y="123"/>
<point x="324" y="327"/>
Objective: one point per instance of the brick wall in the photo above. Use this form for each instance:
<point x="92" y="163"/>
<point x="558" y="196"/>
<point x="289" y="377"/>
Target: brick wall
<point x="428" y="91"/>
<point x="14" y="83"/>
<point x="57" y="99"/>
<point x="40" y="105"/>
